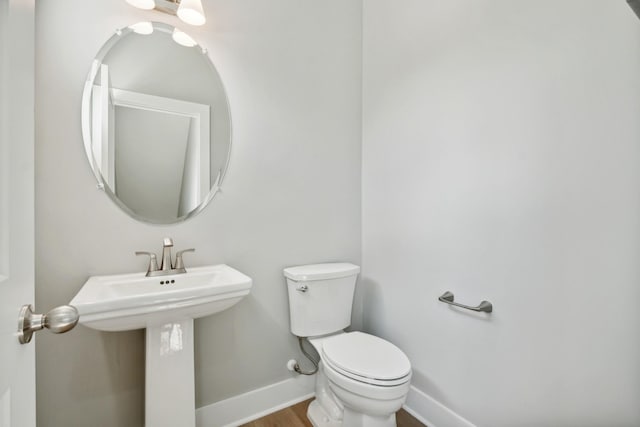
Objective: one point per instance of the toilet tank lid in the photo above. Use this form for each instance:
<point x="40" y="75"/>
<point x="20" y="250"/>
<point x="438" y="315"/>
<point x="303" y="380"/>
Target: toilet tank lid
<point x="333" y="270"/>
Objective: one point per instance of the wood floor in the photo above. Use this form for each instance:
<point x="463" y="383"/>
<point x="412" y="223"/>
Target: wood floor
<point x="296" y="416"/>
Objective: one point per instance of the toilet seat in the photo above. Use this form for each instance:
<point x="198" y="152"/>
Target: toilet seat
<point x="367" y="359"/>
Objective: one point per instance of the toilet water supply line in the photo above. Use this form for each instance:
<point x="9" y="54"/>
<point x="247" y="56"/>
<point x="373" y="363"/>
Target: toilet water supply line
<point x="293" y="365"/>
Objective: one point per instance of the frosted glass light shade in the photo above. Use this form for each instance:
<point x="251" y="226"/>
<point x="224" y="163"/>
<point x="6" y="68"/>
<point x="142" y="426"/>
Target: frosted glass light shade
<point x="142" y="4"/>
<point x="182" y="38"/>
<point x="191" y="12"/>
<point x="143" y="28"/>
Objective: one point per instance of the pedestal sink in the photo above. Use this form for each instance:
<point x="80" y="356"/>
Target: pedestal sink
<point x="166" y="307"/>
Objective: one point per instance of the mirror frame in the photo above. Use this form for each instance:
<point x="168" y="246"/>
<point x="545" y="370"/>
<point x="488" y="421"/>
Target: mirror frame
<point x="86" y="126"/>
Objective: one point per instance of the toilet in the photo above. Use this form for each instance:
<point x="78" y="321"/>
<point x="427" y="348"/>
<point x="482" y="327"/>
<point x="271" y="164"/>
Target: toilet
<point x="362" y="380"/>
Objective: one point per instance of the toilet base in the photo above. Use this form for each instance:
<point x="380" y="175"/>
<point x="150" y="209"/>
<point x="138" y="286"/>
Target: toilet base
<point x="358" y="419"/>
<point x="319" y="417"/>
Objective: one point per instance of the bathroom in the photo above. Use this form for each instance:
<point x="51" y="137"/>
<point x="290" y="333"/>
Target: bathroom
<point x="490" y="148"/>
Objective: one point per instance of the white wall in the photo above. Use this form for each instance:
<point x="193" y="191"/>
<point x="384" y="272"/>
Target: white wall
<point x="501" y="161"/>
<point x="292" y="70"/>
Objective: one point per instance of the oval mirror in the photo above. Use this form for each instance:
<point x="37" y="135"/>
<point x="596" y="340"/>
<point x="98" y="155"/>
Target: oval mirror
<point x="156" y="123"/>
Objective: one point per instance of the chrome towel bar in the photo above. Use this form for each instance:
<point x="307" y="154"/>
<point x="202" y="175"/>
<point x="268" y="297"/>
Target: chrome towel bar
<point x="484" y="306"/>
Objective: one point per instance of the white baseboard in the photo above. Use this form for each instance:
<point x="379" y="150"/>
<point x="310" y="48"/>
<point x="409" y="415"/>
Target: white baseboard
<point x="256" y="403"/>
<point x="431" y="412"/>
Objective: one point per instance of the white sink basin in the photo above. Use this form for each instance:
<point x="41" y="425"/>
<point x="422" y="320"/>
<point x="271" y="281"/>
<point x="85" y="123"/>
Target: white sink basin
<point x="133" y="301"/>
<point x="165" y="306"/>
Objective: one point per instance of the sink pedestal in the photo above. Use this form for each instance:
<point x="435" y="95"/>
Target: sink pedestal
<point x="165" y="306"/>
<point x="169" y="383"/>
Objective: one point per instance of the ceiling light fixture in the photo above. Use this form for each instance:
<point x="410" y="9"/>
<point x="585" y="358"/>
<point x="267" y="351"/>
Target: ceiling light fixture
<point x="189" y="11"/>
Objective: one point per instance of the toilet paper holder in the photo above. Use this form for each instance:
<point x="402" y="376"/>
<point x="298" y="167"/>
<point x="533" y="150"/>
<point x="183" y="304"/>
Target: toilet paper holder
<point x="484" y="306"/>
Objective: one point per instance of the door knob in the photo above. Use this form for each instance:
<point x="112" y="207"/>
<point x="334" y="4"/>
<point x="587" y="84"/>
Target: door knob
<point x="59" y="320"/>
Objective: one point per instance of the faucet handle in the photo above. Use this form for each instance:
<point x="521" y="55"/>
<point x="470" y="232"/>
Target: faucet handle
<point x="167" y="241"/>
<point x="179" y="262"/>
<point x="153" y="261"/>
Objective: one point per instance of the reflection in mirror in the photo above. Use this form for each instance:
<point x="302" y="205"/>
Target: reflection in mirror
<point x="156" y="123"/>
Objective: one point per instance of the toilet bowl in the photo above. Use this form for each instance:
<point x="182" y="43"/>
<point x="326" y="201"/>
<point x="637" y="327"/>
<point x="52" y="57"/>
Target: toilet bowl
<point x="368" y="376"/>
<point x="362" y="379"/>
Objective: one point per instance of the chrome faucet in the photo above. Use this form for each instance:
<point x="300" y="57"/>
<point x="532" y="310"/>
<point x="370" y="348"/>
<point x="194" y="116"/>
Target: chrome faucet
<point x="167" y="265"/>
<point x="167" y="244"/>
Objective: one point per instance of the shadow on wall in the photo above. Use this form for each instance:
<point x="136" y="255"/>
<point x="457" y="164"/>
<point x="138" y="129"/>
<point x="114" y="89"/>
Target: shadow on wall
<point x="371" y="294"/>
<point x="373" y="303"/>
<point x="96" y="394"/>
<point x="221" y="337"/>
<point x="635" y="5"/>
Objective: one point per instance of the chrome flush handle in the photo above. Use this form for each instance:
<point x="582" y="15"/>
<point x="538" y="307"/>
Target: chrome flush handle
<point x="302" y="288"/>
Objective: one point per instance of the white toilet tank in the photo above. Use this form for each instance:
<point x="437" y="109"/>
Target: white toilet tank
<point x="320" y="297"/>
